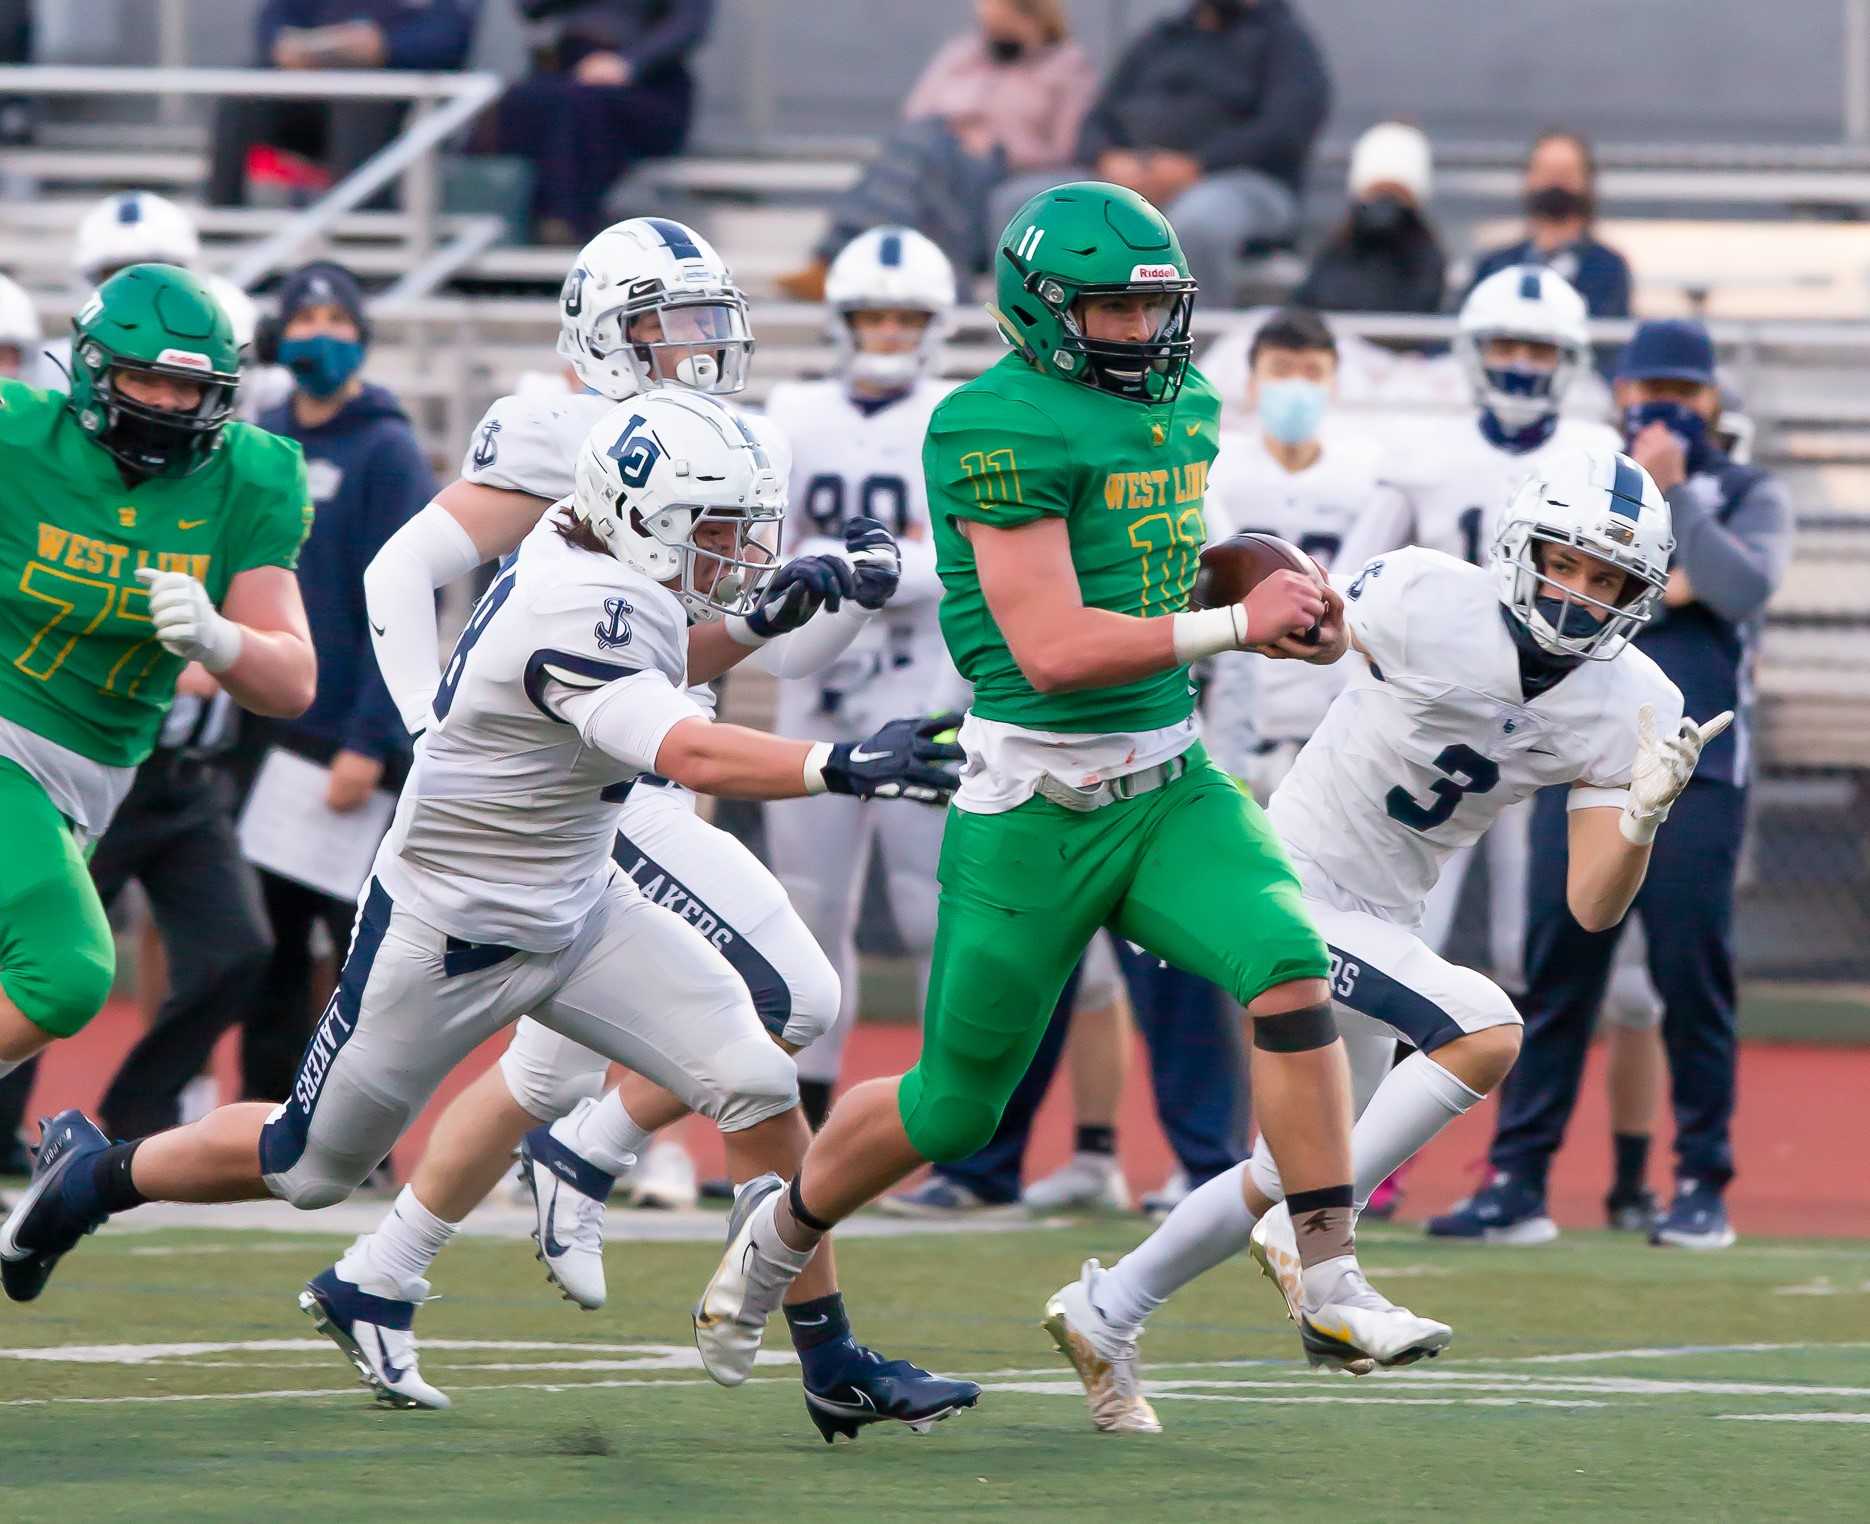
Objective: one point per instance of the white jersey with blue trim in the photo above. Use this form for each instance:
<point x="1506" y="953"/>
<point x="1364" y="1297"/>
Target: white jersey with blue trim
<point x="504" y="830"/>
<point x="1433" y="737"/>
<point x="1451" y="490"/>
<point x="852" y="459"/>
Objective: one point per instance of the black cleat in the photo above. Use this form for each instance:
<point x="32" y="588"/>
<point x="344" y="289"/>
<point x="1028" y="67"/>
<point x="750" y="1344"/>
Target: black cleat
<point x="869" y="1389"/>
<point x="41" y="1229"/>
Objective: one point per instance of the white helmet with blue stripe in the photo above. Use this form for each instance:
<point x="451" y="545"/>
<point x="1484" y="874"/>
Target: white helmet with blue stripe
<point x="1603" y="504"/>
<point x="644" y="268"/>
<point x="659" y="468"/>
<point x="1526" y="302"/>
<point x="133" y="228"/>
<point x="889" y="268"/>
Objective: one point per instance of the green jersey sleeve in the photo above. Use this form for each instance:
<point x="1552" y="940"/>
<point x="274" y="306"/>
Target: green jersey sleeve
<point x="273" y="502"/>
<point x="995" y="460"/>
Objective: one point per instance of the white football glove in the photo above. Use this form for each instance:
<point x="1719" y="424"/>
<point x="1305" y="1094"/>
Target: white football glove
<point x="187" y="622"/>
<point x="1662" y="770"/>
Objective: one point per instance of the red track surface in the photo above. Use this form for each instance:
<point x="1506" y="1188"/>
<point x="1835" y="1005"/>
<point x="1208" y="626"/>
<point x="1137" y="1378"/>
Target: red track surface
<point x="1800" y="1135"/>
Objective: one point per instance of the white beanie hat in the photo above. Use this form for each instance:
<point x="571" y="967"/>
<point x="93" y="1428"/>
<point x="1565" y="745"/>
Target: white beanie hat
<point x="1393" y="153"/>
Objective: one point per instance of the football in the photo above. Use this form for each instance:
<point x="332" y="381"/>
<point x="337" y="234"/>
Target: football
<point x="1235" y="566"/>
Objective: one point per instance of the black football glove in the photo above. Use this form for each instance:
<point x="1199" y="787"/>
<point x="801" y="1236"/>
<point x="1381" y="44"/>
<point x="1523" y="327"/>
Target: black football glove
<point x="903" y="760"/>
<point x="876" y="560"/>
<point x="798" y="590"/>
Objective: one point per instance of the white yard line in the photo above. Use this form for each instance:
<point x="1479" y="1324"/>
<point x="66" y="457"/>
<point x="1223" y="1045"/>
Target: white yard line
<point x="1794" y="1417"/>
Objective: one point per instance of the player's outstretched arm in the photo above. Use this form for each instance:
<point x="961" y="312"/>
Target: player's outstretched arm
<point x="465" y="525"/>
<point x="903" y="760"/>
<point x="1031" y="587"/>
<point x="257" y="644"/>
<point x="1609" y="845"/>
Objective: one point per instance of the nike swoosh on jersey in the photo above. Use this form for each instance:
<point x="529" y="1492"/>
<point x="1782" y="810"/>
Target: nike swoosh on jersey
<point x="189" y="523"/>
<point x="375" y="628"/>
<point x="1193" y="430"/>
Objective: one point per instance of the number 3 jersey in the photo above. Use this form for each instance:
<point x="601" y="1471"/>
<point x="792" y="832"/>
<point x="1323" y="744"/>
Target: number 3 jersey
<point x="858" y="459"/>
<point x="1433" y="736"/>
<point x="504" y="830"/>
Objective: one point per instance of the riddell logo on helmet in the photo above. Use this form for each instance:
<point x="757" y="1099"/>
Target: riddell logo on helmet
<point x="186" y="359"/>
<point x="1154" y="272"/>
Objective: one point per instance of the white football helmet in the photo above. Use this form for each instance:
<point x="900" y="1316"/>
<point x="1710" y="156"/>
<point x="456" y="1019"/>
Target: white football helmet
<point x="663" y="466"/>
<point x="1521" y="302"/>
<point x="133" y="228"/>
<point x="1604" y="504"/>
<point x="889" y="267"/>
<point x="19" y="319"/>
<point x="645" y="266"/>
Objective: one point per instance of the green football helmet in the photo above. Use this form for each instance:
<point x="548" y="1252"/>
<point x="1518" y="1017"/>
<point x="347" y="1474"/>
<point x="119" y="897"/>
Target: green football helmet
<point x="154" y="320"/>
<point x="1090" y="239"/>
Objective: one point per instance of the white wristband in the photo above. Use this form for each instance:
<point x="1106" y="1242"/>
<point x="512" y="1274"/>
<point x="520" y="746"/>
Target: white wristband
<point x="741" y="633"/>
<point x="815" y="761"/>
<point x="221" y="644"/>
<point x="1204" y="632"/>
<point x="1640" y="830"/>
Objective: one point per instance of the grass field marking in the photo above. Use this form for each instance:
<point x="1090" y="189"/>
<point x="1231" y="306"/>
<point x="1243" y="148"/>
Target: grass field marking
<point x="655" y="1356"/>
<point x="1070" y="1387"/>
<point x="1794" y="1417"/>
<point x="172" y="1251"/>
<point x="1822" y="1286"/>
<point x="1670" y="1352"/>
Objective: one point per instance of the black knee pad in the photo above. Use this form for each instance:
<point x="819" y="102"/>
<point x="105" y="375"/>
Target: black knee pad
<point x="1300" y="1031"/>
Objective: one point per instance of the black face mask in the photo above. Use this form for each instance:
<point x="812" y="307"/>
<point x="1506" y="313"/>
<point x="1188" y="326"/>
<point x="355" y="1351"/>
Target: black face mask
<point x="1554" y="203"/>
<point x="1005" y="49"/>
<point x="1380" y="220"/>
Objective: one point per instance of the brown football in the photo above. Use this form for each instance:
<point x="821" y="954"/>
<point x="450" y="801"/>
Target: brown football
<point x="1235" y="566"/>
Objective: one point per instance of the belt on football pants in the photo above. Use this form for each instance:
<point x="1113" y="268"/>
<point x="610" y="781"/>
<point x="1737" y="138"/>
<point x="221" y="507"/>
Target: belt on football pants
<point x="1130" y="786"/>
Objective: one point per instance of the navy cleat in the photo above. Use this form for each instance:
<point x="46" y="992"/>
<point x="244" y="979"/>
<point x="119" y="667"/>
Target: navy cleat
<point x="42" y="1227"/>
<point x="376" y="1335"/>
<point x="868" y="1389"/>
<point x="1505" y="1211"/>
<point x="1696" y="1219"/>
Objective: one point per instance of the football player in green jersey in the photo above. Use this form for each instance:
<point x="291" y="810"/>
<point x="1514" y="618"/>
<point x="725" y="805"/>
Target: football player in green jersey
<point x="1065" y="487"/>
<point x="141" y="531"/>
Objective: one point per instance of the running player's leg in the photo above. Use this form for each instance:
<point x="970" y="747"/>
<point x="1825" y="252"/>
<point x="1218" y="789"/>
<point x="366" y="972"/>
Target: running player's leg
<point x="57" y="959"/>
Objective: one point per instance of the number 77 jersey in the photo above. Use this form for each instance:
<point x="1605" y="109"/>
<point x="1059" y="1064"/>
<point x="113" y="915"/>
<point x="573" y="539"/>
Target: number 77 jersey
<point x="1013" y="447"/>
<point x="1434" y="736"/>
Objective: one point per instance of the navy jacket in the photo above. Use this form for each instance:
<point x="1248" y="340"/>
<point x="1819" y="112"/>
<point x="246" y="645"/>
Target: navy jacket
<point x="1600" y="273"/>
<point x="1250" y="95"/>
<point x="368" y="476"/>
<point x="420" y="34"/>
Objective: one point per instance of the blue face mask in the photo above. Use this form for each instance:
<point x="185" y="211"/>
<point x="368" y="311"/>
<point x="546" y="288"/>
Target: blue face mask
<point x="1291" y="410"/>
<point x="321" y="364"/>
<point x="1679" y="419"/>
<point x="1575" y="622"/>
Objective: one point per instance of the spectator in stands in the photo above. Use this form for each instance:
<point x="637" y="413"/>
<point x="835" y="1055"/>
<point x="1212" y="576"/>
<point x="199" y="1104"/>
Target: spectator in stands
<point x="1384" y="256"/>
<point x="612" y="90"/>
<point x="1561" y="207"/>
<point x="1211" y="114"/>
<point x="336" y="137"/>
<point x="1007" y="98"/>
<point x="1733" y="531"/>
<point x="368" y="476"/>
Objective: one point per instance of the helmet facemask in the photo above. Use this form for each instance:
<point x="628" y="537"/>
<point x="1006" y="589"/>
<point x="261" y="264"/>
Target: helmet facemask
<point x="1519" y="396"/>
<point x="150" y="440"/>
<point x="884" y="371"/>
<point x="705" y="341"/>
<point x="1565" y="621"/>
<point x="1148" y="370"/>
<point x="728" y="573"/>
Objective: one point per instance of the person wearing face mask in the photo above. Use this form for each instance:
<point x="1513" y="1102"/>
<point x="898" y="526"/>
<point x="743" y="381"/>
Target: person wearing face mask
<point x="1004" y="99"/>
<point x="368" y="476"/>
<point x="1733" y="530"/>
<point x="1384" y="256"/>
<point x="1561" y="209"/>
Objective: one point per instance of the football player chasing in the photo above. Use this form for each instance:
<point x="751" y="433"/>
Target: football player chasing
<point x="1471" y="688"/>
<point x="1065" y="489"/>
<point x="143" y="531"/>
<point x="494" y="894"/>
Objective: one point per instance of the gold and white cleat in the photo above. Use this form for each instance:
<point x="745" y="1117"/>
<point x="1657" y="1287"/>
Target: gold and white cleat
<point x="743" y="1292"/>
<point x="1356" y="1329"/>
<point x="1104" y="1361"/>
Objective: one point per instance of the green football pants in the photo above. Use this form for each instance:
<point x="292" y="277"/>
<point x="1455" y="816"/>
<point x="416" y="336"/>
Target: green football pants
<point x="57" y="959"/>
<point x="1191" y="871"/>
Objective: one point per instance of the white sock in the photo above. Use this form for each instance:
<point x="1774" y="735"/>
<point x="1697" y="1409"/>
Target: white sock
<point x="602" y="1132"/>
<point x="767" y="1242"/>
<point x="1415" y="1101"/>
<point x="8" y="1065"/>
<point x="1211" y="1224"/>
<point x="404" y="1245"/>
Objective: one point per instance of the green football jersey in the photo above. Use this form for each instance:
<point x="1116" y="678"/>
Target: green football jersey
<point x="1128" y="478"/>
<point x="79" y="661"/>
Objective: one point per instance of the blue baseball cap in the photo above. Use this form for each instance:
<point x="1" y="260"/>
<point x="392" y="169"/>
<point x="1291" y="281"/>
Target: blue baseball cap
<point x="324" y="282"/>
<point x="1668" y="349"/>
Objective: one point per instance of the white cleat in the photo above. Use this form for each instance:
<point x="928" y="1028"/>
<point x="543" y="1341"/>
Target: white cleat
<point x="1085" y="1180"/>
<point x="376" y="1333"/>
<point x="663" y="1180"/>
<point x="1104" y="1360"/>
<point x="1354" y="1329"/>
<point x="1165" y="1198"/>
<point x="568" y="1193"/>
<point x="746" y="1287"/>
